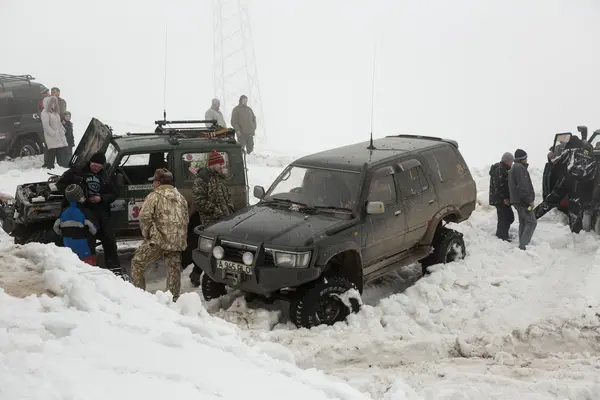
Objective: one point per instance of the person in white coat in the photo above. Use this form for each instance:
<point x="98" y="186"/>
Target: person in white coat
<point x="214" y="113"/>
<point x="54" y="134"/>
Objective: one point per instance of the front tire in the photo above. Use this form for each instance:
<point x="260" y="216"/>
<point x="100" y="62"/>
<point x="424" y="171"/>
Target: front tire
<point x="211" y="289"/>
<point x="448" y="246"/>
<point x="25" y="148"/>
<point x="319" y="303"/>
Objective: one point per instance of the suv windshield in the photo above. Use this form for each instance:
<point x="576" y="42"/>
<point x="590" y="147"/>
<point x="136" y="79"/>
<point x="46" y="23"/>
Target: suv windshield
<point x="316" y="187"/>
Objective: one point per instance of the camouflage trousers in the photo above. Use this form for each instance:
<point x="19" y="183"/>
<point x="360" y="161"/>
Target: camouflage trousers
<point x="147" y="253"/>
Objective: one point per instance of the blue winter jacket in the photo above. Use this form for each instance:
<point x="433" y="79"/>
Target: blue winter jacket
<point x="75" y="228"/>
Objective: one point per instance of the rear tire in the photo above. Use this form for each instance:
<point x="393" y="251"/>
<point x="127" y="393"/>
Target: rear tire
<point x="318" y="303"/>
<point x="211" y="289"/>
<point x="25" y="148"/>
<point x="448" y="246"/>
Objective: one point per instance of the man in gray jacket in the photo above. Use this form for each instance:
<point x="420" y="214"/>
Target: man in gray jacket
<point x="243" y="121"/>
<point x="522" y="197"/>
<point x="214" y="114"/>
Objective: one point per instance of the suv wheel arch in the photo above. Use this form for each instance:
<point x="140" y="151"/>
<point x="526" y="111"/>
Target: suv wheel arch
<point x="448" y="214"/>
<point x="346" y="264"/>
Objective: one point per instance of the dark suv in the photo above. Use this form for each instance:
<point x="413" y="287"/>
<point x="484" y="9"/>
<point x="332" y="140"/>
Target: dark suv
<point x="21" y="132"/>
<point x="335" y="220"/>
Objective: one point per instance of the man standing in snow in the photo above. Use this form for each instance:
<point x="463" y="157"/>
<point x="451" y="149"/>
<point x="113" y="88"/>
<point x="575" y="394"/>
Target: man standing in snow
<point x="100" y="193"/>
<point x="500" y="195"/>
<point x="163" y="222"/>
<point x="214" y="114"/>
<point x="522" y="197"/>
<point x="243" y="121"/>
<point x="62" y="104"/>
<point x="211" y="196"/>
<point x="69" y="132"/>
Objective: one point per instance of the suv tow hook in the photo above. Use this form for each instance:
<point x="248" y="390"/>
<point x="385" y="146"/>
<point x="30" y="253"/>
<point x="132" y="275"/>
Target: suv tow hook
<point x="236" y="281"/>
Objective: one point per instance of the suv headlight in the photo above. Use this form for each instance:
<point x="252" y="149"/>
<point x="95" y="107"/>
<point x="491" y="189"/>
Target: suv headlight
<point x="205" y="244"/>
<point x="290" y="259"/>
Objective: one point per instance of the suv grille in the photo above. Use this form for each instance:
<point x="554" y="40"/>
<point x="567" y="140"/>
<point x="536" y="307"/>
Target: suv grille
<point x="234" y="251"/>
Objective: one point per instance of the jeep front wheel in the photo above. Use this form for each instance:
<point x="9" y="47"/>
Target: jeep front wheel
<point x="320" y="303"/>
<point x="211" y="289"/>
<point x="448" y="246"/>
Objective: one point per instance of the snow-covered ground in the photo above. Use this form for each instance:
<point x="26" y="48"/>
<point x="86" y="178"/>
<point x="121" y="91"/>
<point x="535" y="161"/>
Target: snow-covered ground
<point x="502" y="324"/>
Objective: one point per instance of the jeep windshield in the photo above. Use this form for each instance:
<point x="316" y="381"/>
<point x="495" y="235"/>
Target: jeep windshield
<point x="316" y="188"/>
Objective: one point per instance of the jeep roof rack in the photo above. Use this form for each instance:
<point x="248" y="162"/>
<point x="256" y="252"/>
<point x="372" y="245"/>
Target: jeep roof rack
<point x="7" y="78"/>
<point x="409" y="136"/>
<point x="198" y="130"/>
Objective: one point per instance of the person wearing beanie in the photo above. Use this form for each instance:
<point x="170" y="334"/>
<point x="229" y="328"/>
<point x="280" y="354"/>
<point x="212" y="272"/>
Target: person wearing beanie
<point x="500" y="195"/>
<point x="76" y="227"/>
<point x="99" y="194"/>
<point x="522" y="197"/>
<point x="212" y="198"/>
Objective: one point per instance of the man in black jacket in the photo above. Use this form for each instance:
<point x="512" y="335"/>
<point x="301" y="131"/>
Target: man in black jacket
<point x="500" y="195"/>
<point x="100" y="193"/>
<point x="522" y="197"/>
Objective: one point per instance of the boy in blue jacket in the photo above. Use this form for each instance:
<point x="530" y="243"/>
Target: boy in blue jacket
<point x="76" y="227"/>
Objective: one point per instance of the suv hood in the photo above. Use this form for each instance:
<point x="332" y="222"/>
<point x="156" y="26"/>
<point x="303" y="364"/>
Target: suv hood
<point x="273" y="226"/>
<point x="96" y="138"/>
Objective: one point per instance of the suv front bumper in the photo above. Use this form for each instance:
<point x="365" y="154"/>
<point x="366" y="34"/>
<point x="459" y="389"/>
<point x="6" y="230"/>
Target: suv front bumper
<point x="264" y="277"/>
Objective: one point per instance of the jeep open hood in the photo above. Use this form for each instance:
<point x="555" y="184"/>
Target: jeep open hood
<point x="273" y="226"/>
<point x="96" y="138"/>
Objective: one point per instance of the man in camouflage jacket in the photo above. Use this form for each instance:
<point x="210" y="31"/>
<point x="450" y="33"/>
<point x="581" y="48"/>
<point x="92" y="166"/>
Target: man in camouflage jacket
<point x="163" y="222"/>
<point x="212" y="198"/>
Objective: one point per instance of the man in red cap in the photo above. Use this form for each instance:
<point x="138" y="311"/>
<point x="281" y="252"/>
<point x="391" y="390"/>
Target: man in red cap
<point x="212" y="198"/>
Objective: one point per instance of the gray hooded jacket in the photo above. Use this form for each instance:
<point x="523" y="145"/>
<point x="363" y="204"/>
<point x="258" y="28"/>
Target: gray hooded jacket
<point x="243" y="119"/>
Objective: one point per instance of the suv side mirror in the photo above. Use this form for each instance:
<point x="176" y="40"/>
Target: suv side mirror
<point x="375" y="207"/>
<point x="259" y="192"/>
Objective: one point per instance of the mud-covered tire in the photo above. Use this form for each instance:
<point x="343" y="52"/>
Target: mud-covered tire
<point x="211" y="289"/>
<point x="24" y="148"/>
<point x="448" y="246"/>
<point x="318" y="303"/>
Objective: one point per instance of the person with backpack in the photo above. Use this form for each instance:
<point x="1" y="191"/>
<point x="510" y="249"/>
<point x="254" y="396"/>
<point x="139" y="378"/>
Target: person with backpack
<point x="76" y="227"/>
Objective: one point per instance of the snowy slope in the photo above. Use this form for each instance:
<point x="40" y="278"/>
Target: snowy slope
<point x="502" y="324"/>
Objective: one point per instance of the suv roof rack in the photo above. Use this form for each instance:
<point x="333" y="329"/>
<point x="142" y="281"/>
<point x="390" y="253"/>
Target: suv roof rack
<point x="197" y="129"/>
<point x="409" y="136"/>
<point x="7" y="78"/>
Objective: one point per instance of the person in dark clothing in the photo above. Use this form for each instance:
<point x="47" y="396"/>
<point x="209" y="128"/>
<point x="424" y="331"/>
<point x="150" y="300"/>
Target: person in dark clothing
<point x="69" y="132"/>
<point x="99" y="193"/>
<point x="76" y="227"/>
<point x="522" y="197"/>
<point x="576" y="167"/>
<point x="500" y="195"/>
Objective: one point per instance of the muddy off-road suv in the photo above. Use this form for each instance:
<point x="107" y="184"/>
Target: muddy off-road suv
<point x="131" y="162"/>
<point x="335" y="220"/>
<point x="21" y="132"/>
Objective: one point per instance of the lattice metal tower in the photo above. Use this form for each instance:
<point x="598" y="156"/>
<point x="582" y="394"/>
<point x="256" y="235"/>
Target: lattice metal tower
<point x="235" y="71"/>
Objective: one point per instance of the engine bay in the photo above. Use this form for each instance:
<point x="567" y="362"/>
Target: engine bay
<point x="40" y="192"/>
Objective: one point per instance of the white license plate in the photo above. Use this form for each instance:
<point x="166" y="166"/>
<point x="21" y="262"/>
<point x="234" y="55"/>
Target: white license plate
<point x="235" y="267"/>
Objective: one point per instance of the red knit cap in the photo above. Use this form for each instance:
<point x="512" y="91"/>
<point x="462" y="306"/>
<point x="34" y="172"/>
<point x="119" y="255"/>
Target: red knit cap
<point x="215" y="158"/>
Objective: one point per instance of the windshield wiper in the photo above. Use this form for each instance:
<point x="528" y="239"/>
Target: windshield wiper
<point x="287" y="201"/>
<point x="329" y="208"/>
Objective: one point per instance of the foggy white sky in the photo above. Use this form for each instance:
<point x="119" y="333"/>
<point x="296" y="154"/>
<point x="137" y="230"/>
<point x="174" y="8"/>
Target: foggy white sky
<point x="494" y="75"/>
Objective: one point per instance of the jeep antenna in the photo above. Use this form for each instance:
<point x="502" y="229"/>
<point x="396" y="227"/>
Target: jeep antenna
<point x="371" y="147"/>
<point x="165" y="78"/>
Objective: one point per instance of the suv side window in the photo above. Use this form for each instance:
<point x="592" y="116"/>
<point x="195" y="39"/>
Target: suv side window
<point x="383" y="188"/>
<point x="443" y="163"/>
<point x="192" y="162"/>
<point x="412" y="182"/>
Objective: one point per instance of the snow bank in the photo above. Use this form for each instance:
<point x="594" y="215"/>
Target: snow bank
<point x="102" y="338"/>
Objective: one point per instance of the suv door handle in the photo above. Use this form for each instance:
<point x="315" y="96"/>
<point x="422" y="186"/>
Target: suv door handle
<point x="398" y="213"/>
